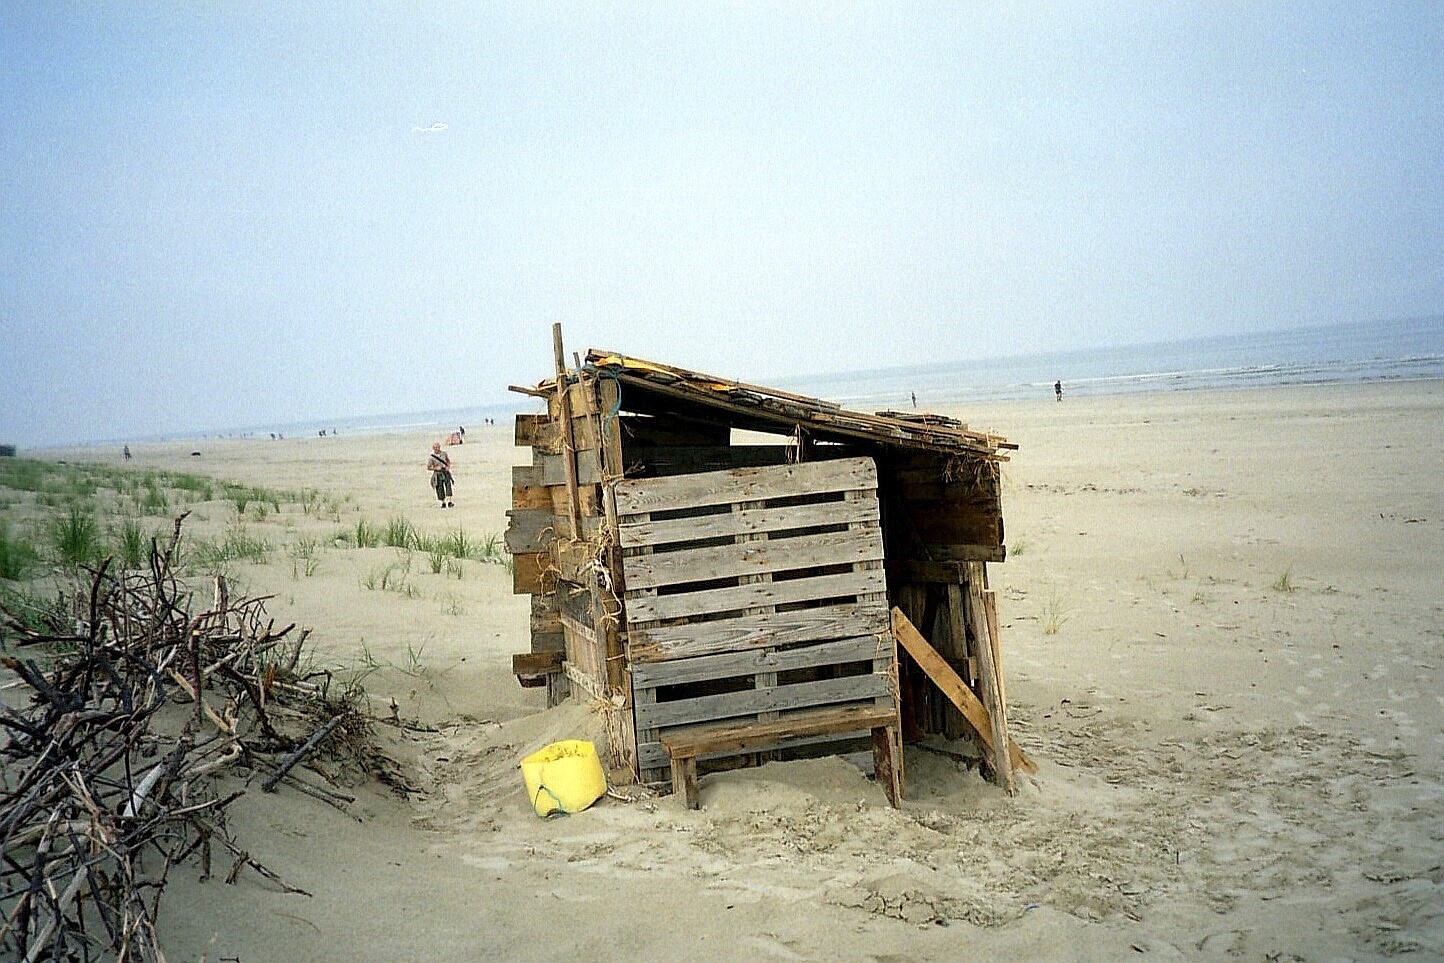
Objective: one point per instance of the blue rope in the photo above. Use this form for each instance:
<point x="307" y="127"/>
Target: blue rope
<point x="616" y="408"/>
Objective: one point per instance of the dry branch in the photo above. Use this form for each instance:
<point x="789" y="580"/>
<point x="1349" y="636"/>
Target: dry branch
<point x="104" y="786"/>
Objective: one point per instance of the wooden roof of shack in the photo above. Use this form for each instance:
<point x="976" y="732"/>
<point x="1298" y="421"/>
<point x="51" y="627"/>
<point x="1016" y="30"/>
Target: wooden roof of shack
<point x="648" y="387"/>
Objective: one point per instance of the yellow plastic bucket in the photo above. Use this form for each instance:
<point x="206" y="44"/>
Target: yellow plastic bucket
<point x="564" y="777"/>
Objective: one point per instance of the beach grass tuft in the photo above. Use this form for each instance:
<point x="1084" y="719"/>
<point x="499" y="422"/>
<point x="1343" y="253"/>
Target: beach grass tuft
<point x="17" y="555"/>
<point x="1055" y="614"/>
<point x="305" y="555"/>
<point x="238" y="545"/>
<point x="153" y="500"/>
<point x="395" y="577"/>
<point x="367" y="535"/>
<point x="132" y="543"/>
<point x="75" y="536"/>
<point x="437" y="556"/>
<point x="459" y="544"/>
<point x="1285" y="581"/>
<point x="400" y="533"/>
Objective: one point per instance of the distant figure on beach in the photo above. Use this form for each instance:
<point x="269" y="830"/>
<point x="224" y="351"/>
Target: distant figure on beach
<point x="439" y="464"/>
<point x="126" y="452"/>
<point x="461" y="430"/>
<point x="1058" y="389"/>
<point x="915" y="399"/>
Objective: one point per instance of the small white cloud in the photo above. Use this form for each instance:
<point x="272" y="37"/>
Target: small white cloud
<point x="433" y="129"/>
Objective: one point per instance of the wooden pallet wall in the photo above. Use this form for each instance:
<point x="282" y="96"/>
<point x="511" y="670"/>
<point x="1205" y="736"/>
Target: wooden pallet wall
<point x="565" y="570"/>
<point x="750" y="593"/>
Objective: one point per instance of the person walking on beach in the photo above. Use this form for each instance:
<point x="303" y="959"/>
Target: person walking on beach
<point x="439" y="464"/>
<point x="1058" y="389"/>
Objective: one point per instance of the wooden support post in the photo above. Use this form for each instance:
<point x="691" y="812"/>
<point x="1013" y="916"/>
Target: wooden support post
<point x="988" y="680"/>
<point x="887" y="763"/>
<point x="951" y="685"/>
<point x="569" y="448"/>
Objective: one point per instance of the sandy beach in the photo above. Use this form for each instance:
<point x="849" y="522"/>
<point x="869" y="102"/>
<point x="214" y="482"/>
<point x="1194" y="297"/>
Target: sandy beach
<point x="1222" y="627"/>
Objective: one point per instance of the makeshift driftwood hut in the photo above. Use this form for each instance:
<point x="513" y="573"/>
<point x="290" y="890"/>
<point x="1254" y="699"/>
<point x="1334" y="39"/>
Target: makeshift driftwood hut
<point x="724" y="595"/>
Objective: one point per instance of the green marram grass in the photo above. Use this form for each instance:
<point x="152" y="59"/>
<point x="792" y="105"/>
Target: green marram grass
<point x="75" y="536"/>
<point x="18" y="557"/>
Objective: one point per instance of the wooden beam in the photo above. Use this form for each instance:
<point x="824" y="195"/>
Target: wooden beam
<point x="943" y="573"/>
<point x="537" y="431"/>
<point x="536" y="663"/>
<point x="988" y="681"/>
<point x="527" y="572"/>
<point x="569" y="460"/>
<point x="952" y="686"/>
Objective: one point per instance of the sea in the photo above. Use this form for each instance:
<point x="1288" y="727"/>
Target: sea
<point x="1398" y="350"/>
<point x="1372" y="351"/>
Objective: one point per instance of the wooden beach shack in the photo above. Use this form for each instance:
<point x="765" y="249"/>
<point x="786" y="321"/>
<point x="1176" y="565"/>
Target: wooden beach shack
<point x="734" y="573"/>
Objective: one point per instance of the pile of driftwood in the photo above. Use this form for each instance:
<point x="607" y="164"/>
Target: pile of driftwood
<point x="133" y="730"/>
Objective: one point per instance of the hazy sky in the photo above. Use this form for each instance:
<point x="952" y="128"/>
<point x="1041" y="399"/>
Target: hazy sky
<point x="220" y="215"/>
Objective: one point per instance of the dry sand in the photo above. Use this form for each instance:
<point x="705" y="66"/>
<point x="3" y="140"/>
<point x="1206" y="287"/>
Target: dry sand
<point x="1238" y="721"/>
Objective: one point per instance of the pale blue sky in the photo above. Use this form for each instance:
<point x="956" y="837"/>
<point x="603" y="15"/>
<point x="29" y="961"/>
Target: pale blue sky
<point x="220" y="215"/>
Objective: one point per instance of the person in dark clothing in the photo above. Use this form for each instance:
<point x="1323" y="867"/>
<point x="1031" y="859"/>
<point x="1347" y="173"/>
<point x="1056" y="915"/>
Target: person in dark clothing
<point x="439" y="464"/>
<point x="1058" y="389"/>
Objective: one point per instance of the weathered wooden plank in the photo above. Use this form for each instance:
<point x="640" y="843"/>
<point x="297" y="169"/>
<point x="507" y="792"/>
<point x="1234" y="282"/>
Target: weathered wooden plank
<point x="971" y="494"/>
<point x="952" y="686"/>
<point x="769" y="410"/>
<point x="888" y="759"/>
<point x="545" y="620"/>
<point x="529" y="529"/>
<point x="944" y="678"/>
<point x="655" y="644"/>
<point x="591" y="524"/>
<point x="536" y="663"/>
<point x="743" y="484"/>
<point x="575" y="559"/>
<point x="669" y="460"/>
<point x="578" y="631"/>
<point x="941" y="530"/>
<point x="799" y="695"/>
<point x="634" y="534"/>
<point x="990" y="685"/>
<point x="527" y="572"/>
<point x="684" y="778"/>
<point x="526" y="476"/>
<point x="731" y="664"/>
<point x="736" y="598"/>
<point x="753" y="558"/>
<point x="585" y="683"/>
<point x="531" y="496"/>
<point x="573" y="601"/>
<point x="990" y="610"/>
<point x="550" y="640"/>
<point x="972" y="553"/>
<point x="589" y="501"/>
<point x="944" y="573"/>
<point x="553" y="471"/>
<point x="538" y="431"/>
<point x="651" y="754"/>
<point x="561" y="410"/>
<point x="738" y="736"/>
